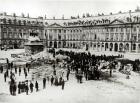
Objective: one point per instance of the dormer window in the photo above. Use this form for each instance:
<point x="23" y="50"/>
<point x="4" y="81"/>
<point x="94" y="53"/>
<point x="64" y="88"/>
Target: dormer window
<point x="134" y="28"/>
<point x="59" y="31"/>
<point x="19" y="22"/>
<point x="9" y="21"/>
<point x="24" y="22"/>
<point x="15" y="21"/>
<point x="4" y="21"/>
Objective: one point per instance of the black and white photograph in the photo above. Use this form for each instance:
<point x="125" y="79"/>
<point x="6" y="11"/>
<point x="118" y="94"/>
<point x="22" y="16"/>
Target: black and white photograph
<point x="69" y="51"/>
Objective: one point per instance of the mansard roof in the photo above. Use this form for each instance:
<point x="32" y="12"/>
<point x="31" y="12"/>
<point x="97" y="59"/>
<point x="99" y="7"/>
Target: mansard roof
<point x="119" y="18"/>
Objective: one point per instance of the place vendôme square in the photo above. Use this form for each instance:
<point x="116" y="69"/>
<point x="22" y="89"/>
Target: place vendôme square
<point x="69" y="51"/>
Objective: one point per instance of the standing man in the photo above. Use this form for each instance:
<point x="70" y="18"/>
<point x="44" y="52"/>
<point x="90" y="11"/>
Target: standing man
<point x="31" y="87"/>
<point x="28" y="69"/>
<point x="48" y="78"/>
<point x="24" y="70"/>
<point x="5" y="75"/>
<point x="52" y="80"/>
<point x="26" y="88"/>
<point x="80" y="76"/>
<point x="63" y="84"/>
<point x="68" y="72"/>
<point x="15" y="70"/>
<point x="56" y="81"/>
<point x="19" y="88"/>
<point x="25" y="74"/>
<point x="11" y="89"/>
<point x="1" y="69"/>
<point x="110" y="67"/>
<point x="36" y="86"/>
<point x="44" y="83"/>
<point x="60" y="80"/>
<point x="19" y="71"/>
<point x="14" y="89"/>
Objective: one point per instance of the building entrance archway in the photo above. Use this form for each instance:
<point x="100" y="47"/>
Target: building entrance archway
<point x="50" y="44"/>
<point x="106" y="46"/>
<point x="121" y="47"/>
<point x="111" y="46"/>
<point x="116" y="47"/>
<point x="15" y="45"/>
<point x="59" y="44"/>
<point x="55" y="44"/>
<point x="127" y="47"/>
<point x="64" y="44"/>
<point x="139" y="48"/>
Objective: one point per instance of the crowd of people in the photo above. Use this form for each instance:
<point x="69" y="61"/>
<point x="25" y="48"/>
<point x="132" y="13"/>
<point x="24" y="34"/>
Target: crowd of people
<point x="10" y="73"/>
<point x="87" y="65"/>
<point x="27" y="85"/>
<point x="82" y="63"/>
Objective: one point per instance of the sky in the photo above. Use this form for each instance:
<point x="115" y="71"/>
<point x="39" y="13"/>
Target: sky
<point x="58" y="8"/>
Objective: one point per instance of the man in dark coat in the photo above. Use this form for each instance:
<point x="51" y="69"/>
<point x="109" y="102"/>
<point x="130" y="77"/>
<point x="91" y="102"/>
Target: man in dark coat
<point x="36" y="86"/>
<point x="28" y="69"/>
<point x="56" y="81"/>
<point x="31" y="87"/>
<point x="19" y="88"/>
<point x="25" y="74"/>
<point x="11" y="89"/>
<point x="54" y="72"/>
<point x="16" y="70"/>
<point x="68" y="72"/>
<point x="63" y="84"/>
<point x="80" y="76"/>
<point x="5" y="75"/>
<point x="19" y="71"/>
<point x="23" y="87"/>
<point x="24" y="70"/>
<point x="44" y="83"/>
<point x="14" y="89"/>
<point x="52" y="80"/>
<point x="11" y="64"/>
<point x="26" y="88"/>
<point x="60" y="80"/>
<point x="1" y="68"/>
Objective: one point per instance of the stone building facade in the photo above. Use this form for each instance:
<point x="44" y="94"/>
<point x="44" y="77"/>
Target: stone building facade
<point x="115" y="32"/>
<point x="14" y="30"/>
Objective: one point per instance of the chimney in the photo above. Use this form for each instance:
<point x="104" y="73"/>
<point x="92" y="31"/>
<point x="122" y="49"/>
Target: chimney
<point x="22" y="15"/>
<point x="14" y="14"/>
<point x="45" y="17"/>
<point x="4" y="13"/>
<point x="137" y="9"/>
<point x="28" y="15"/>
<point x="54" y="17"/>
<point x="63" y="17"/>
